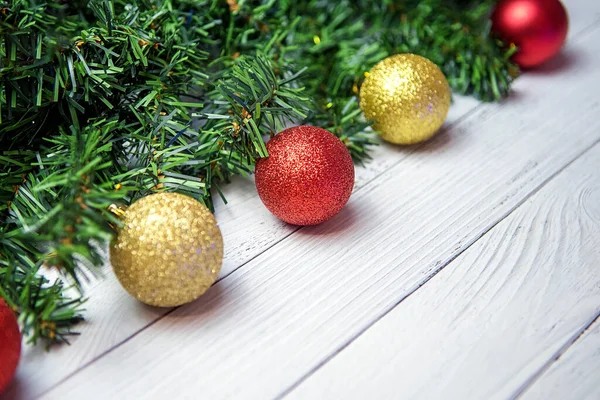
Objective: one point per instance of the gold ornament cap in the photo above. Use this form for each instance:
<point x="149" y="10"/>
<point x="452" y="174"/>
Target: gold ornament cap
<point x="408" y="98"/>
<point x="169" y="250"/>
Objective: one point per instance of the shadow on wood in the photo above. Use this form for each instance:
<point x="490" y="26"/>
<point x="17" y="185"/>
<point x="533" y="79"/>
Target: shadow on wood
<point x="562" y="62"/>
<point x="206" y="305"/>
<point x="343" y="221"/>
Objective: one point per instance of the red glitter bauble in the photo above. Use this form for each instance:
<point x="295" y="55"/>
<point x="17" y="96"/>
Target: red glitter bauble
<point x="538" y="27"/>
<point x="308" y="176"/>
<point x="10" y="344"/>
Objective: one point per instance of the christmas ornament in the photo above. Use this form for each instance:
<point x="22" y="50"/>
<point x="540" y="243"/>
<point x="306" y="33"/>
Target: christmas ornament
<point x="169" y="250"/>
<point x="537" y="27"/>
<point x="10" y="344"/>
<point x="308" y="176"/>
<point x="407" y="96"/>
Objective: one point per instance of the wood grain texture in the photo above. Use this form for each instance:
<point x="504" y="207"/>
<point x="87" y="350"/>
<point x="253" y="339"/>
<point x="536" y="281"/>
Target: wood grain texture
<point x="575" y="375"/>
<point x="289" y="309"/>
<point x="496" y="316"/>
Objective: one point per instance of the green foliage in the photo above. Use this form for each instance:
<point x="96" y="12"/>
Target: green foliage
<point x="102" y="102"/>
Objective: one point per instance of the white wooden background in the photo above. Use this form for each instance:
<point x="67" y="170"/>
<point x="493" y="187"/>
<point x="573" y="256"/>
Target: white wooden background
<point x="464" y="268"/>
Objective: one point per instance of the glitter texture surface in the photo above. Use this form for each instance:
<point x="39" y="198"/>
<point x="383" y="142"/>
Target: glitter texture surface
<point x="407" y="96"/>
<point x="169" y="250"/>
<point x="10" y="344"/>
<point x="308" y="176"/>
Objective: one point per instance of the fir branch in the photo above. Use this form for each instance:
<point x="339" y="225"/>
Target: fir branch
<point x="260" y="102"/>
<point x="45" y="311"/>
<point x="460" y="42"/>
<point x="102" y="102"/>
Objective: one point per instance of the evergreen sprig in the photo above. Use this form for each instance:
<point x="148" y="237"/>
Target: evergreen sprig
<point x="102" y="102"/>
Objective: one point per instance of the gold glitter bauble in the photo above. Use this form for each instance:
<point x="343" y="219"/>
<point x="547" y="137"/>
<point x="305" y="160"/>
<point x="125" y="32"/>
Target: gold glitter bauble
<point x="407" y="97"/>
<point x="169" y="250"/>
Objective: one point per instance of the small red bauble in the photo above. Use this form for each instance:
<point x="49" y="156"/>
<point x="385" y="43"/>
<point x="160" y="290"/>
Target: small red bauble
<point x="537" y="27"/>
<point x="308" y="176"/>
<point x="10" y="344"/>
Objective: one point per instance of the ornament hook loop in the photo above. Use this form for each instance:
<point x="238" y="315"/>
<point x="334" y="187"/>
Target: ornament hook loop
<point x="118" y="210"/>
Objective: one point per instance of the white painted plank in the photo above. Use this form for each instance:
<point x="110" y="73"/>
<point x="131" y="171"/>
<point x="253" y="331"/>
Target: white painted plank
<point x="256" y="332"/>
<point x="576" y="374"/>
<point x="488" y="322"/>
